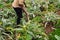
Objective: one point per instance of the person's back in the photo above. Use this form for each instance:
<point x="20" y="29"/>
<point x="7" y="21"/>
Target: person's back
<point x="17" y="2"/>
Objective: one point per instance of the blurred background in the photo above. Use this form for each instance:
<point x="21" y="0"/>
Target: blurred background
<point x="44" y="23"/>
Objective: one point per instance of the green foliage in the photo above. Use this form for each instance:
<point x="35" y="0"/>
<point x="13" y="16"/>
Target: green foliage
<point x="57" y="37"/>
<point x="34" y="28"/>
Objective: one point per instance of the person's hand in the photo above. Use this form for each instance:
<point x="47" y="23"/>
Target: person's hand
<point x="27" y="16"/>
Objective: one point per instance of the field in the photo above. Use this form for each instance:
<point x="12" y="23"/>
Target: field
<point x="43" y="24"/>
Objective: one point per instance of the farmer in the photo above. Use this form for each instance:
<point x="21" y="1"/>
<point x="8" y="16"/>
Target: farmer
<point x="19" y="7"/>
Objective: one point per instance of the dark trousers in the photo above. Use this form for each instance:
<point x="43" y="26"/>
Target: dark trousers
<point x="19" y="14"/>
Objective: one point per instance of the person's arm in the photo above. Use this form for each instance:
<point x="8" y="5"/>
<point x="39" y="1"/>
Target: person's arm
<point x="25" y="4"/>
<point x="22" y="5"/>
<point x="27" y="15"/>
